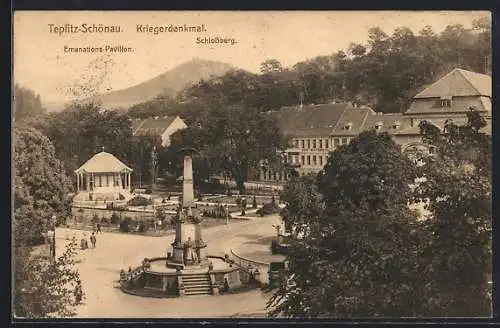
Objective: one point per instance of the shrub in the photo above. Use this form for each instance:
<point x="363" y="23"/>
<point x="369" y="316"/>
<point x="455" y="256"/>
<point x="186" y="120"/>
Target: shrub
<point x="95" y="219"/>
<point x="121" y="197"/>
<point x="125" y="224"/>
<point x="115" y="218"/>
<point x="143" y="226"/>
<point x="139" y="201"/>
<point x="105" y="221"/>
<point x="268" y="209"/>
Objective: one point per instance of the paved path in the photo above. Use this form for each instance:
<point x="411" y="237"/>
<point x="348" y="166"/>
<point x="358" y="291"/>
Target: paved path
<point x="100" y="267"/>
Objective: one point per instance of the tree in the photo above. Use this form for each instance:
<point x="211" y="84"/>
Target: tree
<point x="161" y="105"/>
<point x="457" y="184"/>
<point x="41" y="289"/>
<point x="355" y="255"/>
<point x="41" y="186"/>
<point x="232" y="140"/>
<point x="27" y="103"/>
<point x="82" y="130"/>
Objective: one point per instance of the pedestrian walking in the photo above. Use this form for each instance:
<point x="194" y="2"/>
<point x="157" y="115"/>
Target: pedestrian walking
<point x="93" y="240"/>
<point x="98" y="228"/>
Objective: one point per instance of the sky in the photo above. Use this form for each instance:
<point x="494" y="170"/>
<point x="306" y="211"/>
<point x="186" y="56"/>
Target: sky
<point x="41" y="63"/>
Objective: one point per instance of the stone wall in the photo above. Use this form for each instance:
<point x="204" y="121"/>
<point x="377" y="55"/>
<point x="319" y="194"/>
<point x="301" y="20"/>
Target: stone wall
<point x="84" y="215"/>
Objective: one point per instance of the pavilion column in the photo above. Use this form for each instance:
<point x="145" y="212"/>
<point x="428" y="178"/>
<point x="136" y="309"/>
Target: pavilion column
<point x="88" y="182"/>
<point x="128" y="182"/>
<point x="77" y="182"/>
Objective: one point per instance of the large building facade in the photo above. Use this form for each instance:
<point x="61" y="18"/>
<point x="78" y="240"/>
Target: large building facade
<point x="316" y="130"/>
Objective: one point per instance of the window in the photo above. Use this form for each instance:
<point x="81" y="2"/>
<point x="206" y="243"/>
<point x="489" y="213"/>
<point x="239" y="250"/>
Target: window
<point x="348" y="126"/>
<point x="308" y="160"/>
<point x="296" y="144"/>
<point x="303" y="160"/>
<point x="321" y="160"/>
<point x="303" y="143"/>
<point x="314" y="143"/>
<point x="344" y="141"/>
<point x="446" y="101"/>
<point x="320" y="143"/>
<point x="326" y="143"/>
<point x="336" y="142"/>
<point x="308" y="143"/>
<point x="314" y="160"/>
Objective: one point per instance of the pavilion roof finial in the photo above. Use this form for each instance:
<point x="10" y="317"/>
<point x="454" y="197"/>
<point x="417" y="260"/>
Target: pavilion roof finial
<point x="102" y="148"/>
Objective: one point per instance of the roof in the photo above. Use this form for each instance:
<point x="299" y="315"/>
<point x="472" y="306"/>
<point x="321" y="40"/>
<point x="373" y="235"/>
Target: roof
<point x="353" y="117"/>
<point x="458" y="105"/>
<point x="459" y="83"/>
<point x="388" y="122"/>
<point x="103" y="162"/>
<point x="310" y="120"/>
<point x="136" y="123"/>
<point x="151" y="126"/>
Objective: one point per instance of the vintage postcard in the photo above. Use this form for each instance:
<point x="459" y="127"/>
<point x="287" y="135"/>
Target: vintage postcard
<point x="281" y="164"/>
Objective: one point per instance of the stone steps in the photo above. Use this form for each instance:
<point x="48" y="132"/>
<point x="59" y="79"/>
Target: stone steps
<point x="198" y="284"/>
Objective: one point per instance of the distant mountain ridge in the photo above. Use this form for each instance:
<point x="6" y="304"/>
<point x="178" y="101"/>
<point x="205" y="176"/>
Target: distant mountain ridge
<point x="170" y="83"/>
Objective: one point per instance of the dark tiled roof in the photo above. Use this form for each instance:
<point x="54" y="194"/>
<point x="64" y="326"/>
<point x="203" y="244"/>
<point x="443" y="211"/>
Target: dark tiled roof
<point x="458" y="105"/>
<point x="152" y="126"/>
<point x="135" y="123"/>
<point x="310" y="120"/>
<point x="354" y="118"/>
<point x="459" y="82"/>
<point x="388" y="122"/>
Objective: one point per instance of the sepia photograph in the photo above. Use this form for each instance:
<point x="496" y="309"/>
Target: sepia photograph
<point x="251" y="164"/>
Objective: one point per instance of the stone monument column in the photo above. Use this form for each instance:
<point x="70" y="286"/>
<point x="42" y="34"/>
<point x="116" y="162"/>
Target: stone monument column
<point x="187" y="183"/>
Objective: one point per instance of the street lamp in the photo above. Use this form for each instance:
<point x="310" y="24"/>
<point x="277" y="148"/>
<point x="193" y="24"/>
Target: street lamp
<point x="51" y="236"/>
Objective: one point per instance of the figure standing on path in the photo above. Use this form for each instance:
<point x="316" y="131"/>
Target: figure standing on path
<point x="98" y="228"/>
<point x="78" y="292"/>
<point x="83" y="243"/>
<point x="93" y="240"/>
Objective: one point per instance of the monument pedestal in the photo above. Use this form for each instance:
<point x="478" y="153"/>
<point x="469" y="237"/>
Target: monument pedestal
<point x="187" y="271"/>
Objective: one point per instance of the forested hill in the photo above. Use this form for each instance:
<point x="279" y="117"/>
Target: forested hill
<point x="384" y="72"/>
<point x="168" y="83"/>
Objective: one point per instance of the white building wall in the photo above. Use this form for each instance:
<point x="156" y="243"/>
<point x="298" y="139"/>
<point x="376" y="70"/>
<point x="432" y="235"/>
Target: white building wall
<point x="176" y="125"/>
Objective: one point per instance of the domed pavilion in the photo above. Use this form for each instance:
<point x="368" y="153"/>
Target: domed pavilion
<point x="103" y="177"/>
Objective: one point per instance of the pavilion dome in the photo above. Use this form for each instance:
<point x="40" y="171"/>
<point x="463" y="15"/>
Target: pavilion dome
<point x="103" y="162"/>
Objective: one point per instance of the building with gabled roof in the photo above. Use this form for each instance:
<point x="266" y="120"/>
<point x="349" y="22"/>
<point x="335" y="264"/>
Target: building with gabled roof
<point x="450" y="97"/>
<point x="103" y="177"/>
<point x="157" y="127"/>
<point x="316" y="130"/>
